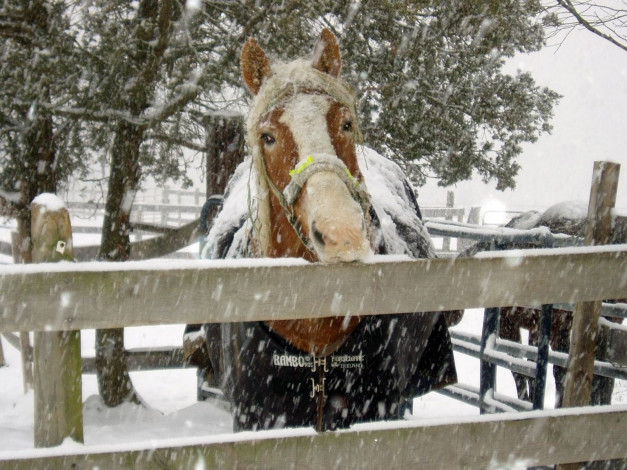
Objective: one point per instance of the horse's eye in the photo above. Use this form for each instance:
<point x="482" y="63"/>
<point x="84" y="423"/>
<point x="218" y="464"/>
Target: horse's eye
<point x="347" y="126"/>
<point x="267" y="139"/>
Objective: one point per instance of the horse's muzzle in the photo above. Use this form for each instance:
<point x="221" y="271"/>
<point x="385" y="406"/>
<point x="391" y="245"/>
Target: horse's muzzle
<point x="335" y="221"/>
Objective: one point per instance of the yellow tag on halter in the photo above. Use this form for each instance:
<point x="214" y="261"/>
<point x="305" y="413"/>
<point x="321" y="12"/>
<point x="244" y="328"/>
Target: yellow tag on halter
<point x="304" y="164"/>
<point x="350" y="177"/>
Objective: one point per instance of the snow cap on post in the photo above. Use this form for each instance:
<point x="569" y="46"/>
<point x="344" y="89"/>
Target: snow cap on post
<point x="51" y="230"/>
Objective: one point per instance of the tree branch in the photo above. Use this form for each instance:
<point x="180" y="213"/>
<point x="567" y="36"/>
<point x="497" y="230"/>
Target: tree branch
<point x="568" y="5"/>
<point x="170" y="108"/>
<point x="88" y="114"/>
<point x="175" y="141"/>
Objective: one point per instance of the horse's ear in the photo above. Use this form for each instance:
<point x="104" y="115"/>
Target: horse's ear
<point x="255" y="65"/>
<point x="326" y="57"/>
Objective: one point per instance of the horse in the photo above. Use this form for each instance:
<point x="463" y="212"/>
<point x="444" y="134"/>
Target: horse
<point x="567" y="218"/>
<point x="308" y="190"/>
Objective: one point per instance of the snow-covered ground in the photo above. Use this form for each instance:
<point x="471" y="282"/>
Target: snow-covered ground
<point x="171" y="408"/>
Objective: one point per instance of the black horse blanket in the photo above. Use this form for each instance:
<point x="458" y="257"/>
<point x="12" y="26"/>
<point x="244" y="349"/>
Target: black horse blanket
<point x="378" y="370"/>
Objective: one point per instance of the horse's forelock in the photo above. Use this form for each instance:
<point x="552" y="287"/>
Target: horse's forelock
<point x="288" y="80"/>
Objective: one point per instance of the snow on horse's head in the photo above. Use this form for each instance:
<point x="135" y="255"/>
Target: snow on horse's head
<point x="312" y="202"/>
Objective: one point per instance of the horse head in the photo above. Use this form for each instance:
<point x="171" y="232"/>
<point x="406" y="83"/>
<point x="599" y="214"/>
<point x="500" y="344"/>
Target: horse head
<point x="302" y="130"/>
<point x="311" y="198"/>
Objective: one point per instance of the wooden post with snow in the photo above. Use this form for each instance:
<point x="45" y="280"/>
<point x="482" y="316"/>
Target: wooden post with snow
<point x="578" y="383"/>
<point x="56" y="354"/>
<point x="450" y="203"/>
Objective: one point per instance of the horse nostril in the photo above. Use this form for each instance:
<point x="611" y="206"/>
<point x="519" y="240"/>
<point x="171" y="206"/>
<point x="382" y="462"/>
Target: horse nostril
<point x="317" y="235"/>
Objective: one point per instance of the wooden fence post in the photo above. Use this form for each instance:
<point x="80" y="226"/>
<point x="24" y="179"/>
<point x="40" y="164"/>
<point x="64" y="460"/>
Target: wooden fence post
<point x="450" y="203"/>
<point x="26" y="352"/>
<point x="56" y="354"/>
<point x="578" y="382"/>
<point x="474" y="217"/>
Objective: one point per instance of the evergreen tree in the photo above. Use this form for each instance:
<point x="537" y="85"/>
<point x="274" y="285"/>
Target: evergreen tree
<point x="38" y="148"/>
<point x="429" y="77"/>
<point x="128" y="46"/>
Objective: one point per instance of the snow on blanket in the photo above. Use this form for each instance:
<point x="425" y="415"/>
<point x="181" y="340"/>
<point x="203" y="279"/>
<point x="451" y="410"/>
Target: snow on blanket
<point x="391" y="197"/>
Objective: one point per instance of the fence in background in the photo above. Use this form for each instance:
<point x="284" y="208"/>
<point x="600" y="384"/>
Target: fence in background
<point x="176" y="208"/>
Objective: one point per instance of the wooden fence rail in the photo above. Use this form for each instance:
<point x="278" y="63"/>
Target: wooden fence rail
<point x="101" y="295"/>
<point x="70" y="297"/>
<point x="513" y="440"/>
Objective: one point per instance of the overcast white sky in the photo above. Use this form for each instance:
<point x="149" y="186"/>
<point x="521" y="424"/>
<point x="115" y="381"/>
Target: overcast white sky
<point x="590" y="124"/>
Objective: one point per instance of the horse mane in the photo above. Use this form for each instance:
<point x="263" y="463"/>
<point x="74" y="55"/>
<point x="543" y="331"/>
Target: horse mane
<point x="286" y="80"/>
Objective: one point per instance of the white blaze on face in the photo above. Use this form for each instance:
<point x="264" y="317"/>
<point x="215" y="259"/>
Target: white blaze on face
<point x="334" y="220"/>
<point x="306" y="117"/>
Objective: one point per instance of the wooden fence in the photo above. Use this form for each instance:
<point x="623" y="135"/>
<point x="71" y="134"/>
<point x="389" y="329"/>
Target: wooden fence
<point x="83" y="296"/>
<point x="179" y="210"/>
<point x="57" y="301"/>
<point x="512" y="441"/>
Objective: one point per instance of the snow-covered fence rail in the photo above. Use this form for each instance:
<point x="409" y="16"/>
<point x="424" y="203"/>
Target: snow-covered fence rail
<point x="101" y="295"/>
<point x="514" y="441"/>
<point x="164" y="213"/>
<point x="78" y="296"/>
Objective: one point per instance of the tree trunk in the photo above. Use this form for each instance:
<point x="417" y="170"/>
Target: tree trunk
<point x="114" y="382"/>
<point x="225" y="142"/>
<point x="151" y="39"/>
<point x="123" y="181"/>
<point x="39" y="177"/>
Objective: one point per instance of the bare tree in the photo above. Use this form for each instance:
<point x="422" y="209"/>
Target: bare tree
<point x="606" y="19"/>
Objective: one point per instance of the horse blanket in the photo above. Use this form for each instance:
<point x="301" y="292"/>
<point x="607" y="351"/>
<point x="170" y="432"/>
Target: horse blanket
<point x="385" y="362"/>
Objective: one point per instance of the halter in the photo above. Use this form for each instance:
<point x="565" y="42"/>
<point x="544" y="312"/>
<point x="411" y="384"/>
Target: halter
<point x="317" y="163"/>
